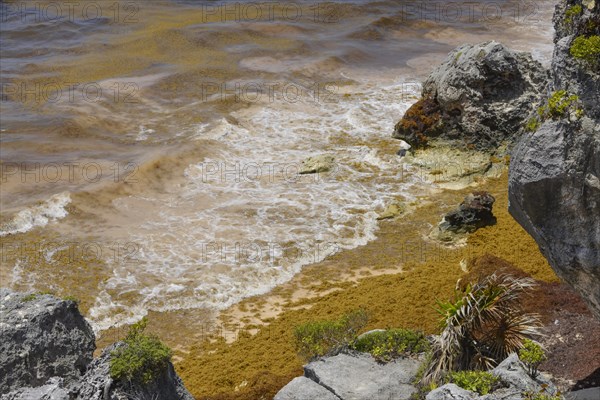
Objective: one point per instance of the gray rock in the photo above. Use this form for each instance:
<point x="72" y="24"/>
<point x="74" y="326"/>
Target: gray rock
<point x="360" y="377"/>
<point x="584" y="394"/>
<point x="553" y="172"/>
<point x="98" y="385"/>
<point x="514" y="373"/>
<point x="302" y="388"/>
<point x="41" y="336"/>
<point x="480" y="96"/>
<point x="451" y="391"/>
<point x="52" y="390"/>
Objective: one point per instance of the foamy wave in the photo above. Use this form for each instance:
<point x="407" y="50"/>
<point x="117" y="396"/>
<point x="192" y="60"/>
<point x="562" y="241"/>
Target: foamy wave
<point x="38" y="215"/>
<point x="313" y="215"/>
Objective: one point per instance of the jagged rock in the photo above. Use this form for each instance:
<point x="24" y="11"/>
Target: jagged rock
<point x="98" y="385"/>
<point x="514" y="378"/>
<point x="451" y="391"/>
<point x="41" y="336"/>
<point x="479" y="97"/>
<point x="52" y="390"/>
<point x="473" y="213"/>
<point x="513" y="373"/>
<point x="360" y="377"/>
<point x="552" y="189"/>
<point x="317" y="164"/>
<point x="302" y="388"/>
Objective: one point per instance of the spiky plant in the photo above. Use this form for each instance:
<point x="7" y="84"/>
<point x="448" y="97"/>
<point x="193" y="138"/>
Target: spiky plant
<point x="482" y="326"/>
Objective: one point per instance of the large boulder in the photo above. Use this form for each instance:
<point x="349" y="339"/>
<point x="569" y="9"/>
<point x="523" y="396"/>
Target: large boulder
<point x="478" y="98"/>
<point x="354" y="377"/>
<point x="554" y="180"/>
<point x="41" y="336"/>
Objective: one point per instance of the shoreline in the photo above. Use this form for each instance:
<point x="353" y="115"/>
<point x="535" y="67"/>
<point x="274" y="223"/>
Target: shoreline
<point x="398" y="288"/>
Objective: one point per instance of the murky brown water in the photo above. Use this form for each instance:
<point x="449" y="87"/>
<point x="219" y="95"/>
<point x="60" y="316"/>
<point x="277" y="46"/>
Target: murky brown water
<point x="150" y="156"/>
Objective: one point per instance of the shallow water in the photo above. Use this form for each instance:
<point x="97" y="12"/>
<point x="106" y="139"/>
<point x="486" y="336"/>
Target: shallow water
<point x="166" y="137"/>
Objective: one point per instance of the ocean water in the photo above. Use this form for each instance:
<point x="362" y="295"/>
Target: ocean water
<point x="166" y="138"/>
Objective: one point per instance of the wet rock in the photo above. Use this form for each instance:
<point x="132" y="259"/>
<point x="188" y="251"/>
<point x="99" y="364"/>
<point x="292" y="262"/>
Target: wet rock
<point x="473" y="213"/>
<point x="41" y="336"/>
<point x="392" y="211"/>
<point x="317" y="164"/>
<point x="480" y="97"/>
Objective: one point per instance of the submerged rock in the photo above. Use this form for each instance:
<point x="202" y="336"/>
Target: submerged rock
<point x="479" y="97"/>
<point x="554" y="172"/>
<point x="317" y="164"/>
<point x="392" y="211"/>
<point x="41" y="337"/>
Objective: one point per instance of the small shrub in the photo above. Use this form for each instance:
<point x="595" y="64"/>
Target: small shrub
<point x="532" y="355"/>
<point x="572" y="12"/>
<point x="71" y="298"/>
<point x="560" y="103"/>
<point x="30" y="297"/>
<point x="533" y="124"/>
<point x="387" y="345"/>
<point x="586" y="49"/>
<point x="326" y="338"/>
<point x="143" y="357"/>
<point x="481" y="382"/>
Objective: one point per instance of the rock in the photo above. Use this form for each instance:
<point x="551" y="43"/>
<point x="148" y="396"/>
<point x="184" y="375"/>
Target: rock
<point x="52" y="390"/>
<point x="553" y="173"/>
<point x="392" y="211"/>
<point x="513" y="373"/>
<point x="302" y="388"/>
<point x="47" y="353"/>
<point x="473" y="213"/>
<point x="451" y="391"/>
<point x="515" y="380"/>
<point x="479" y="97"/>
<point x="317" y="164"/>
<point x="98" y="385"/>
<point x="41" y="336"/>
<point x="360" y="377"/>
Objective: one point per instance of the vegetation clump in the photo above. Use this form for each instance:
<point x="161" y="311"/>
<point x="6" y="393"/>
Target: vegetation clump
<point x="420" y="122"/>
<point x="481" y="326"/>
<point x="532" y="355"/>
<point x="142" y="358"/>
<point x="572" y="12"/>
<point x="586" y="49"/>
<point x="481" y="382"/>
<point x="560" y="105"/>
<point x="327" y="337"/>
<point x="387" y="345"/>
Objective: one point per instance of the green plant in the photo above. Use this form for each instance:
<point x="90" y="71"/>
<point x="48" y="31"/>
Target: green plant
<point x="325" y="338"/>
<point x="481" y="382"/>
<point x="387" y="345"/>
<point x="572" y="12"/>
<point x="542" y="395"/>
<point x="533" y="124"/>
<point x="586" y="49"/>
<point x="30" y="297"/>
<point x="532" y="355"/>
<point x="142" y="357"/>
<point x="71" y="298"/>
<point x="481" y="326"/>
